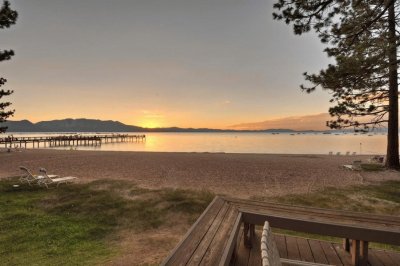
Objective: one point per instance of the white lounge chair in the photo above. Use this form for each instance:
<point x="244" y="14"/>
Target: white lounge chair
<point x="28" y="177"/>
<point x="355" y="166"/>
<point x="47" y="180"/>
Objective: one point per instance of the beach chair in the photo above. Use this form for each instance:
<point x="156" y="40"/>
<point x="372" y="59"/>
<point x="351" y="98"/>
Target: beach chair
<point x="28" y="177"/>
<point x="355" y="166"/>
<point x="47" y="181"/>
<point x="377" y="159"/>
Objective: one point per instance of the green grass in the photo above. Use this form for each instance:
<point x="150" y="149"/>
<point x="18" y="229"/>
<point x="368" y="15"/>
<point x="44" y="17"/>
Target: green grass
<point x="76" y="224"/>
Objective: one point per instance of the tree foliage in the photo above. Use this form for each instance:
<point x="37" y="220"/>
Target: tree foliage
<point x="362" y="37"/>
<point x="8" y="17"/>
<point x="358" y="38"/>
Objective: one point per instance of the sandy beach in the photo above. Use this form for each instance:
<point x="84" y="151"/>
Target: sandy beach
<point x="238" y="175"/>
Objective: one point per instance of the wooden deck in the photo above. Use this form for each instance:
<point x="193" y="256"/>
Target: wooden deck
<point x="309" y="250"/>
<point x="219" y="235"/>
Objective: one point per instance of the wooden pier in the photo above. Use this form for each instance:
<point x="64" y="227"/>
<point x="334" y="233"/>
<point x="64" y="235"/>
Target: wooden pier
<point x="68" y="140"/>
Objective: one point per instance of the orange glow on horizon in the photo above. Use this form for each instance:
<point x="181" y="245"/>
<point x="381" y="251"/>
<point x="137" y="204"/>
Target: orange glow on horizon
<point x="150" y="124"/>
<point x="166" y="118"/>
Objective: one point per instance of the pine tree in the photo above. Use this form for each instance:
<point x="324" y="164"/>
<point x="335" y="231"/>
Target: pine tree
<point x="8" y="17"/>
<point x="361" y="36"/>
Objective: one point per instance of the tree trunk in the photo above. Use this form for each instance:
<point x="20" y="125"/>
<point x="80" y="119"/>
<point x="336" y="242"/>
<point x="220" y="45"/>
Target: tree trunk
<point x="392" y="155"/>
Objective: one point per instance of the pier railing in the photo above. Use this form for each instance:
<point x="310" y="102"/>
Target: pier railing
<point x="68" y="140"/>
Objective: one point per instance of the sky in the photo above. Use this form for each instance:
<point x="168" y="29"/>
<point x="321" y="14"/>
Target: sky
<point x="159" y="63"/>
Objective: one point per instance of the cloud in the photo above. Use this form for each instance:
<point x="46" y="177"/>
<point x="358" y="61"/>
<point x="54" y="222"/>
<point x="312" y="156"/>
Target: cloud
<point x="306" y="122"/>
<point x="223" y="102"/>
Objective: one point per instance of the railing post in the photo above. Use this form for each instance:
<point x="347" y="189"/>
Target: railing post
<point x="355" y="252"/>
<point x="346" y="244"/>
<point x="246" y="241"/>
<point x="364" y="253"/>
<point x="248" y="234"/>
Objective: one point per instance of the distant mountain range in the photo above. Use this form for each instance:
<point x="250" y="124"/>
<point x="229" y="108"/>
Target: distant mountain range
<point x="93" y="125"/>
<point x="299" y="124"/>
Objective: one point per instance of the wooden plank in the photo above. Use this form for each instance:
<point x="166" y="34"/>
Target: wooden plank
<point x="383" y="257"/>
<point x="216" y="247"/>
<point x="323" y="225"/>
<point x="355" y="251"/>
<point x="183" y="251"/>
<point x="330" y="253"/>
<point x="392" y="257"/>
<point x="364" y="253"/>
<point x="292" y="249"/>
<point x="373" y="259"/>
<point x="304" y="249"/>
<point x="395" y="256"/>
<point x="317" y="251"/>
<point x="247" y="235"/>
<point x="288" y="262"/>
<point x="346" y="244"/>
<point x="330" y="228"/>
<point x="201" y="249"/>
<point x="242" y="253"/>
<point x="361" y="221"/>
<point x="330" y="213"/>
<point x="231" y="244"/>
<point x="280" y="241"/>
<point x="344" y="256"/>
<point x="255" y="251"/>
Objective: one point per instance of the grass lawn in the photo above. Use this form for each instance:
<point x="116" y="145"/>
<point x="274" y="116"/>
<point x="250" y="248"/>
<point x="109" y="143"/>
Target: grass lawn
<point x="79" y="224"/>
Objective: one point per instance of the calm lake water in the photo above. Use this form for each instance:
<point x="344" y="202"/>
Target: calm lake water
<point x="309" y="143"/>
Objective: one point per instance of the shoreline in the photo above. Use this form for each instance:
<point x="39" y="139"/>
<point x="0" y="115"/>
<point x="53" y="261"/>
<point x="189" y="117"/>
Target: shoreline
<point x="4" y="150"/>
<point x="244" y="175"/>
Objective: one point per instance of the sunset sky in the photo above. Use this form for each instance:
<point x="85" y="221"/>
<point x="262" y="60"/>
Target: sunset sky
<point x="157" y="63"/>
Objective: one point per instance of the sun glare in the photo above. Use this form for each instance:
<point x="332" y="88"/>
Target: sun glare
<point x="150" y="124"/>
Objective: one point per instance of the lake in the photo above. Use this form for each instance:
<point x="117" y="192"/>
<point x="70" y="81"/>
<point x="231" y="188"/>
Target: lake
<point x="287" y="143"/>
